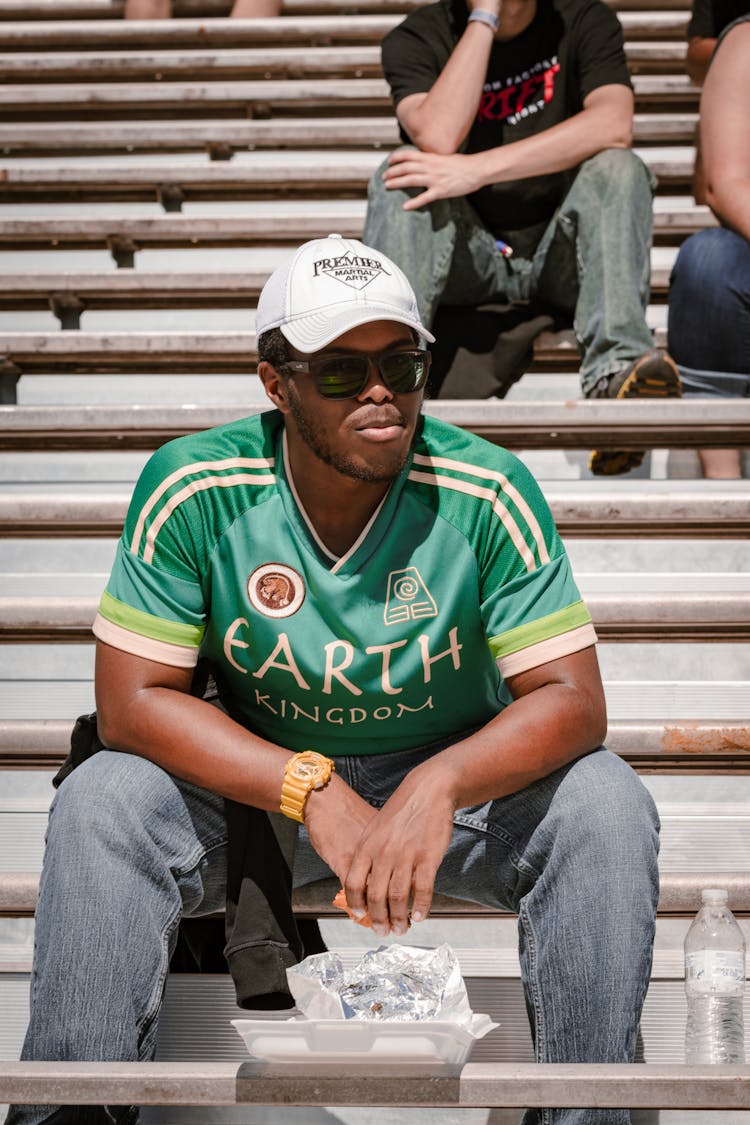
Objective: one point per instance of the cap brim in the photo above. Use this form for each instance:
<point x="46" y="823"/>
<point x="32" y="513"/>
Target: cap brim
<point x="311" y="333"/>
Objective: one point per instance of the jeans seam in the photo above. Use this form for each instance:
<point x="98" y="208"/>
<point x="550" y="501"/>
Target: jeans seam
<point x="534" y="993"/>
<point x="152" y="1009"/>
<point x="484" y="827"/>
<point x="198" y="855"/>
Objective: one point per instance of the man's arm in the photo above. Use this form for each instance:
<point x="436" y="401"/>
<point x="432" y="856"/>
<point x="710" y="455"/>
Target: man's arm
<point x="439" y="121"/>
<point x="606" y="121"/>
<point x="143" y="707"/>
<point x="725" y="131"/>
<point x="558" y="714"/>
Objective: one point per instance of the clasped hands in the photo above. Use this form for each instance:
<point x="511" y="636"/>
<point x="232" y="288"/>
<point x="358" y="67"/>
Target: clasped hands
<point x="386" y="858"/>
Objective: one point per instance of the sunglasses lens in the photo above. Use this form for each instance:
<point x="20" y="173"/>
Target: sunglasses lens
<point x="405" y="371"/>
<point x="342" y="377"/>
<point x="345" y="376"/>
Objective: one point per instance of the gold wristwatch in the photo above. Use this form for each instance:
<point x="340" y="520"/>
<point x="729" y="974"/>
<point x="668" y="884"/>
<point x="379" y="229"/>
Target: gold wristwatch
<point x="304" y="772"/>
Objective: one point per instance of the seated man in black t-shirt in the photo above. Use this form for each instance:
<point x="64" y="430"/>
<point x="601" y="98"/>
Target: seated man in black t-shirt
<point x="522" y="186"/>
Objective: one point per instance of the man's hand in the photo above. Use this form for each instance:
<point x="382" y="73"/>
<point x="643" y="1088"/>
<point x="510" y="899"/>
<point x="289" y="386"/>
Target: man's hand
<point x="443" y="177"/>
<point x="335" y="819"/>
<point x="399" y="852"/>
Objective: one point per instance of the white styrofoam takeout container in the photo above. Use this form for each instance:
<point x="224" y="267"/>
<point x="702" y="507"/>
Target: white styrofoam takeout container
<point x="362" y="1041"/>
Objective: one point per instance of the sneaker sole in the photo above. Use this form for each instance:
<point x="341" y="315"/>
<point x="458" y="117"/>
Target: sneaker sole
<point x="663" y="381"/>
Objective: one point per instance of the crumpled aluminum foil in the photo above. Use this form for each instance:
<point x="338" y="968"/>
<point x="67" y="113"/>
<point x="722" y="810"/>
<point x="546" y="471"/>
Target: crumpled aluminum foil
<point x="396" y="982"/>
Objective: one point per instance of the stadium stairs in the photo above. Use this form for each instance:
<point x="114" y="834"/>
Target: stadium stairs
<point x="152" y="175"/>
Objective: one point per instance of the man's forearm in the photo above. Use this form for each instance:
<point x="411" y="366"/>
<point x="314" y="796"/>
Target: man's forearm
<point x="531" y="738"/>
<point x="442" y="120"/>
<point x="197" y="742"/>
<point x="556" y="149"/>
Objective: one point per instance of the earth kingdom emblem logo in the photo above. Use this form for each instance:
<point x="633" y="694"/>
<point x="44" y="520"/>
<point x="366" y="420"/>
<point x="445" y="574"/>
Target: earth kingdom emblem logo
<point x="276" y="590"/>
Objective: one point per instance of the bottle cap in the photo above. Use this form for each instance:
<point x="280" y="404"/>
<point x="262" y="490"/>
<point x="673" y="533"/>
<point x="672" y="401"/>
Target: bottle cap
<point x="715" y="894"/>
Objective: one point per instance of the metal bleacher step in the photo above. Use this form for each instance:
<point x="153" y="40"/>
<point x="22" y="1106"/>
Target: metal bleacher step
<point x="93" y="35"/>
<point x="262" y="223"/>
<point x="244" y="63"/>
<point x="264" y="174"/>
<point x="584" y="509"/>
<point x="222" y="137"/>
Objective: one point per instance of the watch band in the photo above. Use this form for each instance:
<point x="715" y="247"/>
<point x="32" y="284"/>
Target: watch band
<point x="304" y="772"/>
<point x="481" y="15"/>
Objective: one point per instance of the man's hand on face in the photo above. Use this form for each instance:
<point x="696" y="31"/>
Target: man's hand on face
<point x="443" y="177"/>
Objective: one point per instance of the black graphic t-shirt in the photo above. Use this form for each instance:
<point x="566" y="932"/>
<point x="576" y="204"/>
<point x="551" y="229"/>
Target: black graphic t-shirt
<point x="533" y="81"/>
<point x="708" y="18"/>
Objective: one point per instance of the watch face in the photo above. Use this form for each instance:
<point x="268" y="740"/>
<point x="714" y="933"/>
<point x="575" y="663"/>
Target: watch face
<point x="307" y="770"/>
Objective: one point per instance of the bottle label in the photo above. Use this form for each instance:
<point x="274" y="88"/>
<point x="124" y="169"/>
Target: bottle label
<point x="715" y="970"/>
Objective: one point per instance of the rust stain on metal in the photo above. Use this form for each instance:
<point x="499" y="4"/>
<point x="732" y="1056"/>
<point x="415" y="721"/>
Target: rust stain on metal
<point x="694" y="738"/>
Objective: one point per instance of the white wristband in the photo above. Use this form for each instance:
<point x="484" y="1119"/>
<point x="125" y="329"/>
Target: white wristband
<point x="481" y="15"/>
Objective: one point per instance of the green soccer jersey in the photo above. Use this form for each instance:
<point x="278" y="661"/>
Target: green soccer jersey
<point x="458" y="582"/>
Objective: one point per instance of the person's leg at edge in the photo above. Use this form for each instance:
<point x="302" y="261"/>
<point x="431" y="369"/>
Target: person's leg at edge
<point x="445" y="252"/>
<point x="709" y="320"/>
<point x="129" y="850"/>
<point x="576" y="855"/>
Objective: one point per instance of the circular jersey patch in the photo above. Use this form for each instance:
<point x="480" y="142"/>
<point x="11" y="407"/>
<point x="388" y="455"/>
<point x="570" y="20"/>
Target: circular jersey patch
<point x="276" y="590"/>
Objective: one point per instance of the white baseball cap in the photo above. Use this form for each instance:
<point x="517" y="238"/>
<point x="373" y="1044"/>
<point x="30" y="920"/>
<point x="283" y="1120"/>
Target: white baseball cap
<point x="331" y="285"/>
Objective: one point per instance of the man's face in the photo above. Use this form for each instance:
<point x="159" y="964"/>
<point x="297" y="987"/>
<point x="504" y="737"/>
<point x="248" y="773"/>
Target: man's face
<point x="367" y="438"/>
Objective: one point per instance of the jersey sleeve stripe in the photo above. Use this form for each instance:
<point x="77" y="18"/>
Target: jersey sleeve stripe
<point x="137" y="645"/>
<point x="552" y="649"/>
<point x="509" y="489"/>
<point x="491" y="496"/>
<point x="159" y="628"/>
<point x="187" y="471"/>
<point x="196" y="486"/>
<point x="532" y="632"/>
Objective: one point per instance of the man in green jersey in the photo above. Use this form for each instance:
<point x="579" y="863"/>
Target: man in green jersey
<point x="408" y="672"/>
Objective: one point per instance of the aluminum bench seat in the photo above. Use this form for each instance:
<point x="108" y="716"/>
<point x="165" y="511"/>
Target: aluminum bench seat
<point x="268" y="175"/>
<point x="663" y="617"/>
<point x="647" y="746"/>
<point x="680" y="893"/>
<point x="638" y="509"/>
<point x="60" y="33"/>
<point x="270" y="223"/>
<point x="244" y="63"/>
<point x="70" y="293"/>
<point x="259" y="97"/>
<point x="220" y="137"/>
<point x="96" y="10"/>
<point x="185" y="352"/>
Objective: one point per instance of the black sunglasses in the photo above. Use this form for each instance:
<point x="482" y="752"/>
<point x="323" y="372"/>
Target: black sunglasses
<point x="345" y="376"/>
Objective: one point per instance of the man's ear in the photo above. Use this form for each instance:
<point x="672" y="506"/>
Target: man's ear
<point x="273" y="385"/>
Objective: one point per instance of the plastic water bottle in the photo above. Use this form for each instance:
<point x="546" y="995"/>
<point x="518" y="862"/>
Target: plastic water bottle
<point x="714" y="983"/>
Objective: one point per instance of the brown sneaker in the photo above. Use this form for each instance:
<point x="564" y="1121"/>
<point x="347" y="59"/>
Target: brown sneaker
<point x="654" y="375"/>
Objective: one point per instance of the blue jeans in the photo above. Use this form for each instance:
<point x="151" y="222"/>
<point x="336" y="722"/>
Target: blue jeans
<point x="130" y="850"/>
<point x="591" y="261"/>
<point x="709" y="314"/>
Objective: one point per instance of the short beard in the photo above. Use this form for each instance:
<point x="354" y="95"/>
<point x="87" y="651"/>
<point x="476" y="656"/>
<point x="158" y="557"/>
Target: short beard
<point x="340" y="462"/>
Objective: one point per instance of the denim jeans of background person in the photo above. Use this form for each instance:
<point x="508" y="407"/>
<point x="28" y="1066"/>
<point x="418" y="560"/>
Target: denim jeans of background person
<point x="591" y="262"/>
<point x="525" y="113"/>
<point x="709" y="326"/>
<point x="351" y="586"/>
<point x="575" y="854"/>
